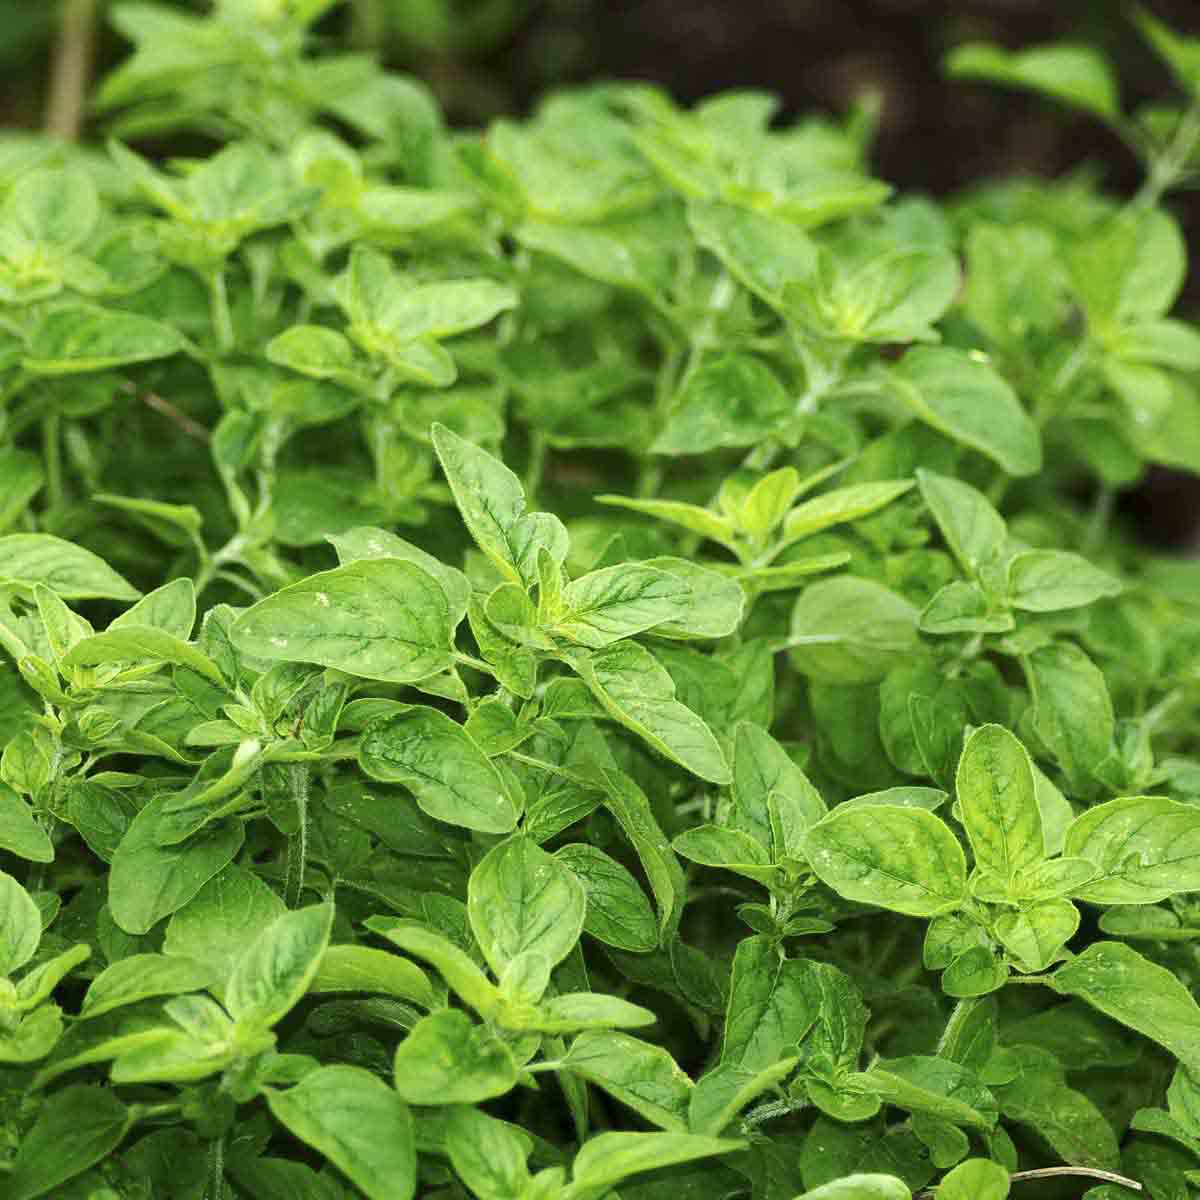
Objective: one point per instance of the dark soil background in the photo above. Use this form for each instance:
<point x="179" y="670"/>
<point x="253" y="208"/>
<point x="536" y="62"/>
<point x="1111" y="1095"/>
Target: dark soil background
<point x="485" y="57"/>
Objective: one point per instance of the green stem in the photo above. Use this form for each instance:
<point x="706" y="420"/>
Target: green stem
<point x="211" y="566"/>
<point x="1165" y="709"/>
<point x="52" y="457"/>
<point x="476" y="664"/>
<point x="222" y="317"/>
<point x="769" y="1111"/>
<point x="1099" y="519"/>
<point x="297" y="857"/>
<point x="1167" y="170"/>
<point x="368" y="24"/>
<point x="72" y="68"/>
<point x="215" y="1188"/>
<point x="536" y="468"/>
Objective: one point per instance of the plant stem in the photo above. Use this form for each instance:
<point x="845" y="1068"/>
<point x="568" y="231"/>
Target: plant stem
<point x="1167" y="171"/>
<point x="215" y="1188"/>
<point x="72" y="68"/>
<point x="297" y="857"/>
<point x="536" y="468"/>
<point x="1099" y="519"/>
<point x="368" y="24"/>
<point x="52" y="454"/>
<point x="222" y="318"/>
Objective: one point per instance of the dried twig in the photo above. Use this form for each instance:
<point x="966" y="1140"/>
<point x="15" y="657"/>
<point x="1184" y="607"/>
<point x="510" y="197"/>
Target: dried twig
<point x="1058" y="1172"/>
<point x="176" y="416"/>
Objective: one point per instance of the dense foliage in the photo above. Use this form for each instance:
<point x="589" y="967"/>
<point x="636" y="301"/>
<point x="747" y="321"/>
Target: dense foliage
<point x="675" y="809"/>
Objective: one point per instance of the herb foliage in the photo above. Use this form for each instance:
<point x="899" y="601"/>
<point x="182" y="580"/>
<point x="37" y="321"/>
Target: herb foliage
<point x="571" y="662"/>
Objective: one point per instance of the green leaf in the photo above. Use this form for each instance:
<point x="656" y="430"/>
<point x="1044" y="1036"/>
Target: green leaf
<point x="140" y="976"/>
<point x="998" y="800"/>
<point x="224" y="917"/>
<point x="318" y="353"/>
<point x="1180" y="53"/>
<point x="1040" y="1098"/>
<point x="368" y="542"/>
<point x="148" y="882"/>
<point x="139" y="643"/>
<point x="618" y="602"/>
<point x="772" y="1006"/>
<point x="974" y="531"/>
<point x="20" y="832"/>
<point x="276" y="969"/>
<point x="377" y="619"/>
<point x="59" y="208"/>
<point x="448" y="1060"/>
<point x="637" y="691"/>
<point x="437" y="760"/>
<point x="1076" y="75"/>
<point x="618" y="912"/>
<point x="365" y="969"/>
<point x="904" y="859"/>
<point x="610" y="1157"/>
<point x="491" y="500"/>
<point x="872" y="289"/>
<point x="975" y="1179"/>
<point x="839" y="506"/>
<point x="730" y="400"/>
<point x="1036" y="935"/>
<point x="78" y="1127"/>
<point x="488" y="1155"/>
<point x="969" y="401"/>
<point x="1016" y="282"/>
<point x="762" y="252"/>
<point x="522" y="900"/>
<point x="357" y="1122"/>
<point x="80" y="338"/>
<point x="861" y="1187"/>
<point x="689" y="516"/>
<point x="1144" y="849"/>
<point x="727" y="1089"/>
<point x="849" y="630"/>
<point x="71" y="572"/>
<point x="644" y="1077"/>
<point x="1131" y="269"/>
<point x="773" y="800"/>
<point x="454" y="964"/>
<point x="170" y="609"/>
<point x="1136" y="992"/>
<point x="633" y="813"/>
<point x="935" y="1086"/>
<point x="728" y="849"/>
<point x="20" y="925"/>
<point x="1052" y="580"/>
<point x="1073" y="713"/>
<point x="21" y="478"/>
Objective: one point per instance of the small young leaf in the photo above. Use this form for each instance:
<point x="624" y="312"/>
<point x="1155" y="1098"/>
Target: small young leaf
<point x="448" y="1060"/>
<point x="998" y="799"/>
<point x="79" y="1126"/>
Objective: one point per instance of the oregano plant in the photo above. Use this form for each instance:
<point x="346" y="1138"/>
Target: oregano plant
<point x="588" y="658"/>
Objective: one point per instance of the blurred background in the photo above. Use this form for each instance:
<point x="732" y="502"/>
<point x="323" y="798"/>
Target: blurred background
<point x="484" y="58"/>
